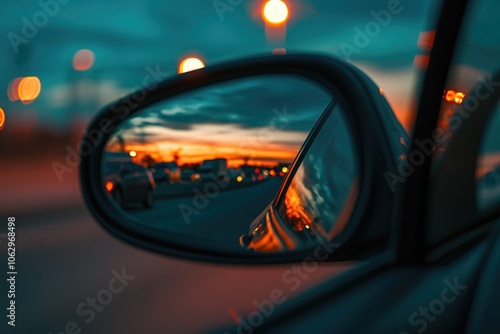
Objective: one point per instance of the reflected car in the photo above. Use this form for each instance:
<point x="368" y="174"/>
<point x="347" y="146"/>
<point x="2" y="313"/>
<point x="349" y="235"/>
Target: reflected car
<point x="166" y="172"/>
<point x="127" y="182"/>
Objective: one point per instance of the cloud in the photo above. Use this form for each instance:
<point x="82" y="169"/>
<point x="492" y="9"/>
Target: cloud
<point x="249" y="103"/>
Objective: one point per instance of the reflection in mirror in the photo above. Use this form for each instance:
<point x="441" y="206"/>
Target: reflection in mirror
<point x="318" y="202"/>
<point x="206" y="163"/>
<point x="488" y="165"/>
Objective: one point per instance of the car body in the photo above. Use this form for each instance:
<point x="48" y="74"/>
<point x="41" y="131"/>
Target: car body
<point x="425" y="255"/>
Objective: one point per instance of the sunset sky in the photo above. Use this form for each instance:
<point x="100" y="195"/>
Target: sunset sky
<point x="264" y="118"/>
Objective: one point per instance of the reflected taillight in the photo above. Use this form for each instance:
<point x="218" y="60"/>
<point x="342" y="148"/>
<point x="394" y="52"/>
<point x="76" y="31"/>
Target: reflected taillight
<point x="109" y="186"/>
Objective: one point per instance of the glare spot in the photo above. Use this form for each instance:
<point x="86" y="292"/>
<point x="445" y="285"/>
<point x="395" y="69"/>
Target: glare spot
<point x="132" y="153"/>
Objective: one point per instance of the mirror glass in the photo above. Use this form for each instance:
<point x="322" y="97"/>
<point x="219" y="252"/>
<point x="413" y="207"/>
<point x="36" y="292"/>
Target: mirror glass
<point x="208" y="163"/>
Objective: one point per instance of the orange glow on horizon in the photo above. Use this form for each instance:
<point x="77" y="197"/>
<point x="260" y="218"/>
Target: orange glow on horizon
<point x="83" y="60"/>
<point x="28" y="89"/>
<point x="190" y="64"/>
<point x="275" y="12"/>
<point x="196" y="155"/>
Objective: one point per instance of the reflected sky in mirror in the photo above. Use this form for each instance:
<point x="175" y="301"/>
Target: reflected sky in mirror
<point x="260" y="119"/>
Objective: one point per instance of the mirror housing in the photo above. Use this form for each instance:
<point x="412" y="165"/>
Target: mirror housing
<point x="378" y="138"/>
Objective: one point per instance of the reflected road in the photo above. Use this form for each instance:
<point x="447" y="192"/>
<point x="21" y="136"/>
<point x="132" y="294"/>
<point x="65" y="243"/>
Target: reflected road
<point x="225" y="217"/>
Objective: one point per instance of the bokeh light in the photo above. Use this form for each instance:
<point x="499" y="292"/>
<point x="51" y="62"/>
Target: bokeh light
<point x="453" y="96"/>
<point x="275" y="12"/>
<point x="83" y="60"/>
<point x="421" y="61"/>
<point x="13" y="88"/>
<point x="190" y="64"/>
<point x="426" y="40"/>
<point x="28" y="89"/>
<point x="2" y="118"/>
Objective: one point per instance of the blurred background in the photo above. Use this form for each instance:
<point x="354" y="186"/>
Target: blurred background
<point x="62" y="60"/>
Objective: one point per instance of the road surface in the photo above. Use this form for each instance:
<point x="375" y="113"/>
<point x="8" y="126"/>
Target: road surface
<point x="225" y="216"/>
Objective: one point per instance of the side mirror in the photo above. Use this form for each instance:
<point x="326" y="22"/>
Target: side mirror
<point x="266" y="160"/>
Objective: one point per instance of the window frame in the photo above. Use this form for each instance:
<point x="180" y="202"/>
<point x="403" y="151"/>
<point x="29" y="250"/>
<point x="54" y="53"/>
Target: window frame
<point x="410" y="241"/>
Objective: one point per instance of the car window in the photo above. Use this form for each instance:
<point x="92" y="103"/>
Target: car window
<point x="466" y="162"/>
<point x="488" y="165"/>
<point x="319" y="200"/>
